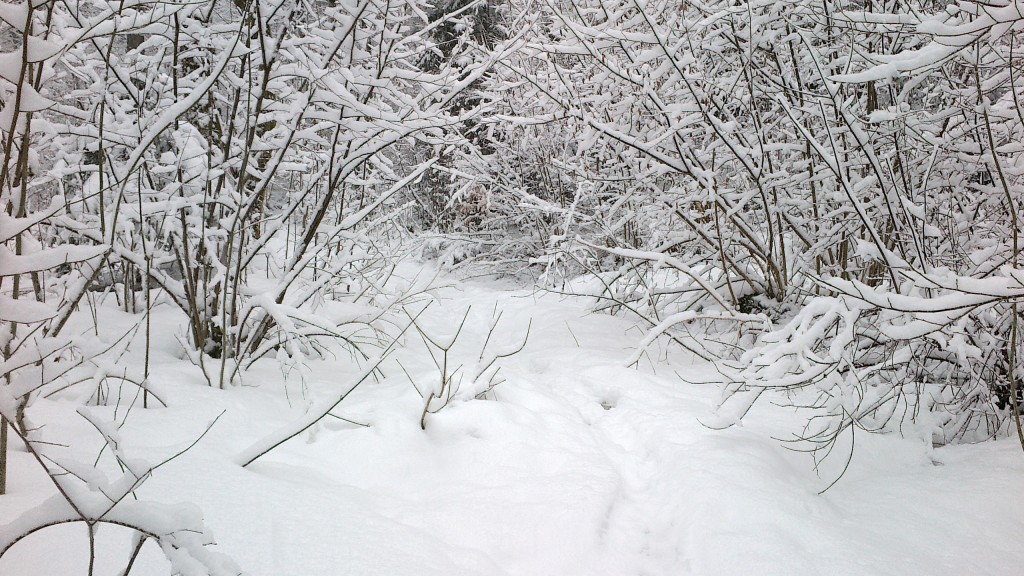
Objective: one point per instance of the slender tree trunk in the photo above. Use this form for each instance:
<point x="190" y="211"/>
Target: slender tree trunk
<point x="3" y="456"/>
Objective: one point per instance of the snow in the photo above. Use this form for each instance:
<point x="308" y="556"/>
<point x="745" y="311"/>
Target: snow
<point x="12" y="264"/>
<point x="24" y="311"/>
<point x="575" y="465"/>
<point x="14" y="14"/>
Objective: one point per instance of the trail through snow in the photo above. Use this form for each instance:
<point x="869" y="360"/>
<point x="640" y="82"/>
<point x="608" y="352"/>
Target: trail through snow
<point x="577" y="466"/>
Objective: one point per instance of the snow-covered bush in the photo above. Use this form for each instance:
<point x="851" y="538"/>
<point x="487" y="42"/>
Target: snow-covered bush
<point x="936" y="361"/>
<point x="44" y="275"/>
<point x="935" y="350"/>
<point x="755" y="161"/>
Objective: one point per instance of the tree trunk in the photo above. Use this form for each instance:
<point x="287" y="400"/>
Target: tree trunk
<point x="3" y="456"/>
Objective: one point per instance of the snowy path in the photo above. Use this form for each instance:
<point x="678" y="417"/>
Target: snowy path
<point x="581" y="467"/>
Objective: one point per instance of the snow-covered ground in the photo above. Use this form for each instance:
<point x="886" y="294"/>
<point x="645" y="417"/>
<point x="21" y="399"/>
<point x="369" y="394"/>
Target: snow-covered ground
<point x="574" y="466"/>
